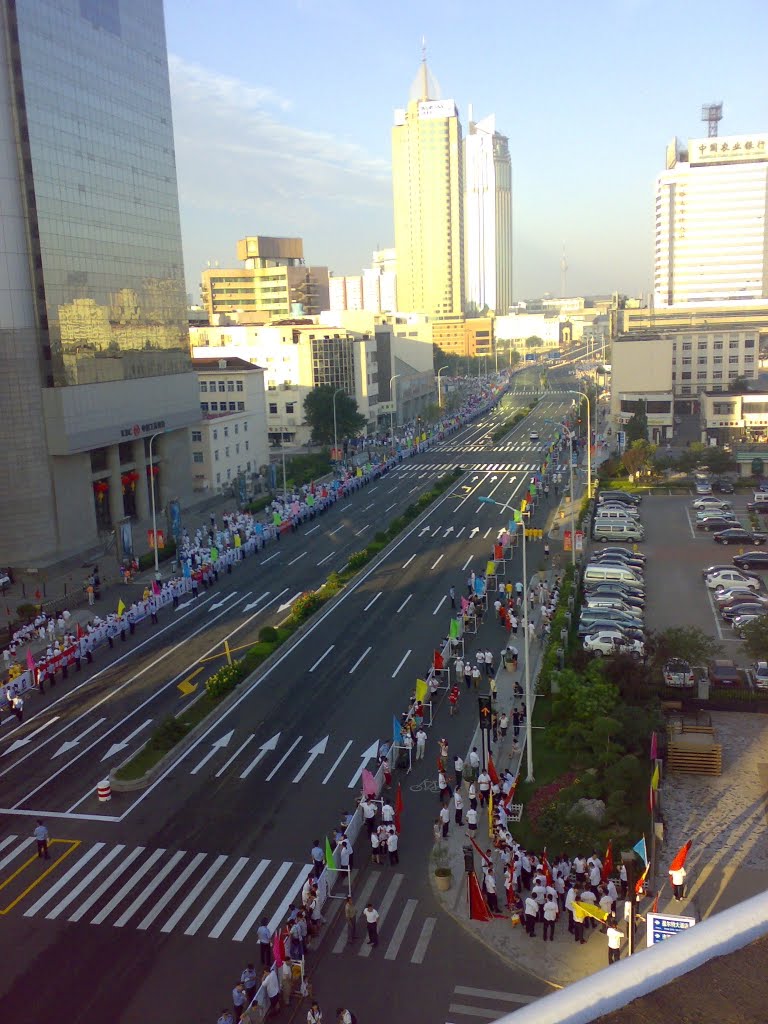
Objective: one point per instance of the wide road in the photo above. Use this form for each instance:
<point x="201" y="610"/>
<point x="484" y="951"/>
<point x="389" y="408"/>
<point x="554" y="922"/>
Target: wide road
<point x="180" y="874"/>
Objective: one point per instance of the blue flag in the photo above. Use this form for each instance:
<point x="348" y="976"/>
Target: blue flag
<point x="397" y="732"/>
<point x="479" y="586"/>
<point x="641" y="849"/>
<point x="186" y="569"/>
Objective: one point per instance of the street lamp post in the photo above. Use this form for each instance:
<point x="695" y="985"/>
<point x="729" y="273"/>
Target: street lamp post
<point x="154" y="511"/>
<point x="581" y="394"/>
<point x="439" y="392"/>
<point x="526" y="646"/>
<point x="392" y="379"/>
<point x="338" y="391"/>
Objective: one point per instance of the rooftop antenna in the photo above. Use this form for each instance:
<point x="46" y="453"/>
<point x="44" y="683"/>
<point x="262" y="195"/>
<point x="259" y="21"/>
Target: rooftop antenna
<point x="712" y="115"/>
<point x="563" y="274"/>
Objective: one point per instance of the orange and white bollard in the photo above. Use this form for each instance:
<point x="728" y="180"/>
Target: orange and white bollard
<point x="104" y="791"/>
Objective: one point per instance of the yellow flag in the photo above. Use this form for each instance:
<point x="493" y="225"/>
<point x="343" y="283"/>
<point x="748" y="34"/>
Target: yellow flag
<point x="490" y="814"/>
<point x="655" y="778"/>
<point x="120" y="607"/>
<point x="490" y="569"/>
<point x="591" y="911"/>
<point x="421" y="689"/>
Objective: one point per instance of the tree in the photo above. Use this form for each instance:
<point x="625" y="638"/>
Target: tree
<point x="756" y="638"/>
<point x="718" y="461"/>
<point x="318" y="412"/>
<point x="638" y="456"/>
<point x="692" y="457"/>
<point x="534" y="342"/>
<point x="637" y="426"/>
<point x="687" y="642"/>
<point x="739" y="386"/>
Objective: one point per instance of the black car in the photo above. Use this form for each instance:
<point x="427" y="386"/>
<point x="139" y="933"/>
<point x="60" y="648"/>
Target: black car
<point x="615" y="587"/>
<point x="627" y="499"/>
<point x="614" y="557"/>
<point x="737" y="535"/>
<point x="630" y="600"/>
<point x="751" y="560"/>
<point x="722" y="486"/>
<point x="732" y="611"/>
<point x="714" y="524"/>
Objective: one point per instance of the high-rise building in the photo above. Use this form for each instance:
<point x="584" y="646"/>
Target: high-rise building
<point x="487" y="218"/>
<point x="97" y="389"/>
<point x="711" y="241"/>
<point x="427" y="192"/>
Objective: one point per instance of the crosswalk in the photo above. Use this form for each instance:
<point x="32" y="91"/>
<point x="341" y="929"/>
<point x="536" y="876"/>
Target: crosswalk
<point x="485" y="446"/>
<point x="490" y="467"/>
<point x="191" y="893"/>
<point x="482" y="1004"/>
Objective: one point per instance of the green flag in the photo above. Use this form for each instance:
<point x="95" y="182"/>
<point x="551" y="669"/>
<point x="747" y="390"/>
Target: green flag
<point x="517" y="515"/>
<point x="330" y="863"/>
<point x="453" y="632"/>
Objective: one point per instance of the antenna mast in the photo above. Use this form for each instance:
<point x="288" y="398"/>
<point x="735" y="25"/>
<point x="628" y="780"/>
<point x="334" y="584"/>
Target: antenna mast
<point x="712" y="115"/>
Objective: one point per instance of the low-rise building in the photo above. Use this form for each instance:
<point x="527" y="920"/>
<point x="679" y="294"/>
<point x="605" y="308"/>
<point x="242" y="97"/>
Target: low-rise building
<point x="732" y="419"/>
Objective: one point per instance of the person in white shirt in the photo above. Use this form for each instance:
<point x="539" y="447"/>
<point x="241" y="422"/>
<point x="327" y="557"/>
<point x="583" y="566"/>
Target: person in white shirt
<point x="375" y="847"/>
<point x="371" y="916"/>
<point x="458" y="803"/>
<point x="343" y="1016"/>
<point x="445" y="816"/>
<point x="615" y="939"/>
<point x="369" y="814"/>
<point x="472" y="820"/>
<point x="595" y="874"/>
<point x="531" y="915"/>
<point x="392" y="840"/>
<point x="315" y="1014"/>
<point x="387" y="813"/>
<point x="421" y="744"/>
<point x="41" y="838"/>
<point x="580" y="868"/>
<point x="678" y="882"/>
<point x="550" y="913"/>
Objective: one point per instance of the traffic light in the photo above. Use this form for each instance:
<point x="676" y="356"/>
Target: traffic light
<point x="484" y="708"/>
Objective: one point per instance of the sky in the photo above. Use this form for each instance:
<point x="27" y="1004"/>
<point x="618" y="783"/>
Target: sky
<point x="283" y="113"/>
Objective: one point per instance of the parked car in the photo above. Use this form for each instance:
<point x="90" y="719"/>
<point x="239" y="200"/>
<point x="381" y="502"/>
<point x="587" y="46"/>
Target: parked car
<point x="630" y="632"/>
<point x="724" y="672"/>
<point x="710" y="501"/>
<point x="731" y="578"/>
<point x="632" y="600"/>
<point x="714" y="524"/>
<point x="738" y="535"/>
<point x="741" y="622"/>
<point x="703" y="487"/>
<point x="751" y="560"/>
<point x="725" y="597"/>
<point x="611" y="553"/>
<point x="735" y="611"/>
<point x="609" y="615"/>
<point x="617" y="549"/>
<point x="722" y="485"/>
<point x="724" y="567"/>
<point x="601" y="601"/>
<point x="629" y="499"/>
<point x="608" y="642"/>
<point x="705" y="516"/>
<point x="678" y="672"/>
<point x="758" y="674"/>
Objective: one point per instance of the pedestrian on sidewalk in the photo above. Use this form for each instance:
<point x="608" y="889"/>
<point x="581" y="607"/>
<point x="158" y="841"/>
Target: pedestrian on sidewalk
<point x="250" y="982"/>
<point x="458" y="769"/>
<point x="41" y="838"/>
<point x="484" y="786"/>
<point x="445" y="817"/>
<point x="472" y="820"/>
<point x="678" y="882"/>
<point x="615" y="939"/>
<point x="503" y="724"/>
<point x="264" y="939"/>
<point x="421" y="744"/>
<point x="239" y="1000"/>
<point x="550" y="912"/>
<point x="315" y="1014"/>
<point x="375" y="847"/>
<point x="452" y="595"/>
<point x="17" y="706"/>
<point x="371" y="921"/>
<point x="474" y="763"/>
<point x="468" y="674"/>
<point x="458" y="803"/>
<point x="531" y="916"/>
<point x="350" y="915"/>
<point x="488" y="660"/>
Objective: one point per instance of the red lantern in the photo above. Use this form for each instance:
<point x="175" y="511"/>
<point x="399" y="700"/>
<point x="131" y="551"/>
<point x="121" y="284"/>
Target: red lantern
<point x="153" y="470"/>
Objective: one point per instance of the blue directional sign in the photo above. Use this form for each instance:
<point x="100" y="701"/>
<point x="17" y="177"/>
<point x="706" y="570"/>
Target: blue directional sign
<point x="664" y="926"/>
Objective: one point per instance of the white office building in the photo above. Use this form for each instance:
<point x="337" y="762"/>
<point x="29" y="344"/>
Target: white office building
<point x="487" y="218"/>
<point x="711" y="243"/>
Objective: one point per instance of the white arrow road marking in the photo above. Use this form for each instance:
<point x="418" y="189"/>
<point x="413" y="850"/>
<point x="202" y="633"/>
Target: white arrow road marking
<point x="322" y="657"/>
<point x="473" y="531"/>
<point x="494" y="478"/>
<point x="223" y="601"/>
<point x="460" y="532"/>
<point x="265" y="748"/>
<point x="68" y="744"/>
<point x="372" y="602"/>
<point x="297" y="558"/>
<point x="185" y="605"/>
<point x="28" y="739"/>
<point x="218" y="744"/>
<point x="440" y="604"/>
<point x="337" y="762"/>
<point x="124" y="743"/>
<point x="405" y="658"/>
<point x="252" y="604"/>
<point x="424" y="529"/>
<point x="365" y="757"/>
<point x="365" y="653"/>
<point x="288" y="603"/>
<point x="405" y="602"/>
<point x="284" y="758"/>
<point x="239" y="750"/>
<point x="449" y="530"/>
<point x="314" y="752"/>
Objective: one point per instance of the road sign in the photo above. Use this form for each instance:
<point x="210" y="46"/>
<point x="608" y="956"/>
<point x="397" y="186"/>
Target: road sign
<point x="484" y="707"/>
<point x="664" y="926"/>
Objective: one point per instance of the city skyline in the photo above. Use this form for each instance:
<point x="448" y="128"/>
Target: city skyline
<point x="588" y="103"/>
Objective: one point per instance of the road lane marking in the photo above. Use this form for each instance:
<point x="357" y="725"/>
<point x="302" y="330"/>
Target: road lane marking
<point x="409" y="561"/>
<point x="484" y="993"/>
<point x="405" y="658"/>
<point x="390" y="507"/>
<point x="312" y="530"/>
<point x="108" y="881"/>
<point x="366" y="652"/>
<point x="221" y="888"/>
<point x="337" y="762"/>
<point x="262" y="901"/>
<point x="443" y="599"/>
<point x="383" y="908"/>
<point x="466" y="563"/>
<point x="363" y="530"/>
<point x="184" y="906"/>
<point x="372" y="602"/>
<point x="156" y="882"/>
<point x="333" y="532"/>
<point x="421" y="946"/>
<point x="322" y="657"/>
<point x="71" y="844"/>
<point x="171" y="891"/>
<point x="84" y="882"/>
<point x="132" y="882"/>
<point x="239" y="751"/>
<point x="277" y="918"/>
<point x="362" y="901"/>
<point x="265" y="560"/>
<point x="439" y="559"/>
<point x="284" y="758"/>
<point x="297" y="558"/>
<point x="57" y="886"/>
<point x="327" y="557"/>
<point x="242" y="895"/>
<point x="400" y="929"/>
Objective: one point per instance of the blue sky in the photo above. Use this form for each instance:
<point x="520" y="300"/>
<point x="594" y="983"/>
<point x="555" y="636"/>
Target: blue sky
<point x="282" y="117"/>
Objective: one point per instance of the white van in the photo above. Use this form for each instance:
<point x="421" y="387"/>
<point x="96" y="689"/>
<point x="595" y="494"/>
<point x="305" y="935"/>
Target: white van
<point x="612" y="529"/>
<point x="617" y="511"/>
<point x="760" y="497"/>
<point x="612" y="573"/>
<point x="616" y="515"/>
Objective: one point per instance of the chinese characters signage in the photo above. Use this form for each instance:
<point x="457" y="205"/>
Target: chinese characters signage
<point x="141" y="429"/>
<point x="728" y="148"/>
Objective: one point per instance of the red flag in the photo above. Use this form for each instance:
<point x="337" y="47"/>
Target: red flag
<point x="654" y="746"/>
<point x="492" y="771"/>
<point x="79" y="632"/>
<point x="30" y="661"/>
<point x="680" y="856"/>
<point x="478" y="908"/>
<point x="641" y="880"/>
<point x="486" y="859"/>
<point x="510" y="795"/>
<point x="545" y="866"/>
<point x="655" y="907"/>
<point x="437" y="661"/>
<point x="398" y="807"/>
<point x="278" y="948"/>
<point x="608" y="863"/>
<point x="156" y="589"/>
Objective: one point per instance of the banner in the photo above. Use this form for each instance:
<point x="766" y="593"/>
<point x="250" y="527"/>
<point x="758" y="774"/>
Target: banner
<point x="478" y="909"/>
<point x="567" y="541"/>
<point x="160" y="538"/>
<point x="579" y="540"/>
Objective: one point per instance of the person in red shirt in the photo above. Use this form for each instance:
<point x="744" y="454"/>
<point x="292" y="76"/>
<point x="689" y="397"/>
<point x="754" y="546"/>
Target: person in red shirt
<point x="453" y="699"/>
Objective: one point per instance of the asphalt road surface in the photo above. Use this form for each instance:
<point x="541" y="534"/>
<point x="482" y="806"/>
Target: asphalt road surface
<point x="149" y="905"/>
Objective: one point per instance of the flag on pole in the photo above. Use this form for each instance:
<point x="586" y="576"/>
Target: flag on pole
<point x="607" y="863"/>
<point x="679" y="859"/>
<point x="79" y="632"/>
<point x="278" y="949"/>
<point x="120" y="606"/>
<point x="330" y="863"/>
<point x="30" y="661"/>
<point x="545" y="866"/>
<point x="511" y="794"/>
<point x="654" y="746"/>
<point x="369" y="783"/>
<point x="478" y="908"/>
<point x="486" y="859"/>
<point x="655" y="778"/>
<point x="156" y="588"/>
<point x="437" y="661"/>
<point x="641" y="850"/>
<point x="655" y="907"/>
<point x="464" y="604"/>
<point x="398" y="807"/>
<point x="641" y="880"/>
<point x="397" y="732"/>
<point x="591" y="910"/>
<point x="490" y="815"/>
<point x="492" y="771"/>
<point x="490" y="568"/>
<point x="421" y="689"/>
<point x="453" y="632"/>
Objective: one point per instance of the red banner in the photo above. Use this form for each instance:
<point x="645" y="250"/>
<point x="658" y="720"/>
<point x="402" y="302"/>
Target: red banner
<point x="567" y="541"/>
<point x="160" y="538"/>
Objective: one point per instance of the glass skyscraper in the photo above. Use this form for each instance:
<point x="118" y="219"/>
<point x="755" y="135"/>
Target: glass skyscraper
<point x="93" y="326"/>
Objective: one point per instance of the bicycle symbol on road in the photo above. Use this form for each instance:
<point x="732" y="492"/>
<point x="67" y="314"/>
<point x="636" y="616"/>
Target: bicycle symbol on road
<point x="425" y="786"/>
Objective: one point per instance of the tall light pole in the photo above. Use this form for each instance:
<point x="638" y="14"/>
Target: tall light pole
<point x="154" y="512"/>
<point x="573" y="496"/>
<point x="589" y="441"/>
<point x="526" y="647"/>
<point x="338" y="391"/>
<point x="439" y="392"/>
<point x="392" y="379"/>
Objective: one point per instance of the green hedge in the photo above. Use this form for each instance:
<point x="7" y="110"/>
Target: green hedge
<point x="549" y="661"/>
<point x="148" y="560"/>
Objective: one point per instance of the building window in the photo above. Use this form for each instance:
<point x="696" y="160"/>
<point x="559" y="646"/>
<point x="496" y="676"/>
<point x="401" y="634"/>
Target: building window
<point x="203" y="385"/>
<point x="749" y="343"/>
<point x="686" y="375"/>
<point x="197" y="456"/>
<point x="229" y="474"/>
<point x="239" y="385"/>
<point x="222" y="385"/>
<point x="718" y="346"/>
<point x="749" y="359"/>
<point x="203" y="407"/>
<point x="214" y="406"/>
<point x="241" y="406"/>
<point x="216" y="455"/>
<point x="702" y="345"/>
<point x="686" y="346"/>
<point x="218" y="478"/>
<point x="226" y="452"/>
<point x="237" y="428"/>
<point x="273" y="408"/>
<point x="733" y="359"/>
<point x="701" y="375"/>
<point x="686" y="389"/>
<point x="717" y="360"/>
<point x="246" y="445"/>
<point x="215" y="435"/>
<point x="226" y="431"/>
<point x="211" y="385"/>
<point x="701" y="361"/>
<point x="733" y="374"/>
<point x="237" y="449"/>
<point x="686" y="360"/>
<point x="245" y="426"/>
<point x="733" y="344"/>
<point x="248" y="466"/>
<point x="232" y="406"/>
<point x="230" y="385"/>
<point x="289" y="407"/>
<point x="717" y="375"/>
<point x="197" y="435"/>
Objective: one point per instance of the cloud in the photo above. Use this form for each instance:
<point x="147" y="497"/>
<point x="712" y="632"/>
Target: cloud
<point x="244" y="168"/>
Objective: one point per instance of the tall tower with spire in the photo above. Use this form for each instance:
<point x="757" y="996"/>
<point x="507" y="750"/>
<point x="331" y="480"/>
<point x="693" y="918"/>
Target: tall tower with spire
<point x="427" y="193"/>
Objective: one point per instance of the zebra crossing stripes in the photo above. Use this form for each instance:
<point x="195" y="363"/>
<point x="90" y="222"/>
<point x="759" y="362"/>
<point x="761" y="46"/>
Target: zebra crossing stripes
<point x="476" y="1010"/>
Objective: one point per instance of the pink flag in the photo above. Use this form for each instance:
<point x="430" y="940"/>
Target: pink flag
<point x="30" y="661"/>
<point x="369" y="783"/>
<point x="464" y="604"/>
<point x="654" y="747"/>
<point x="277" y="948"/>
<point x="156" y="589"/>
